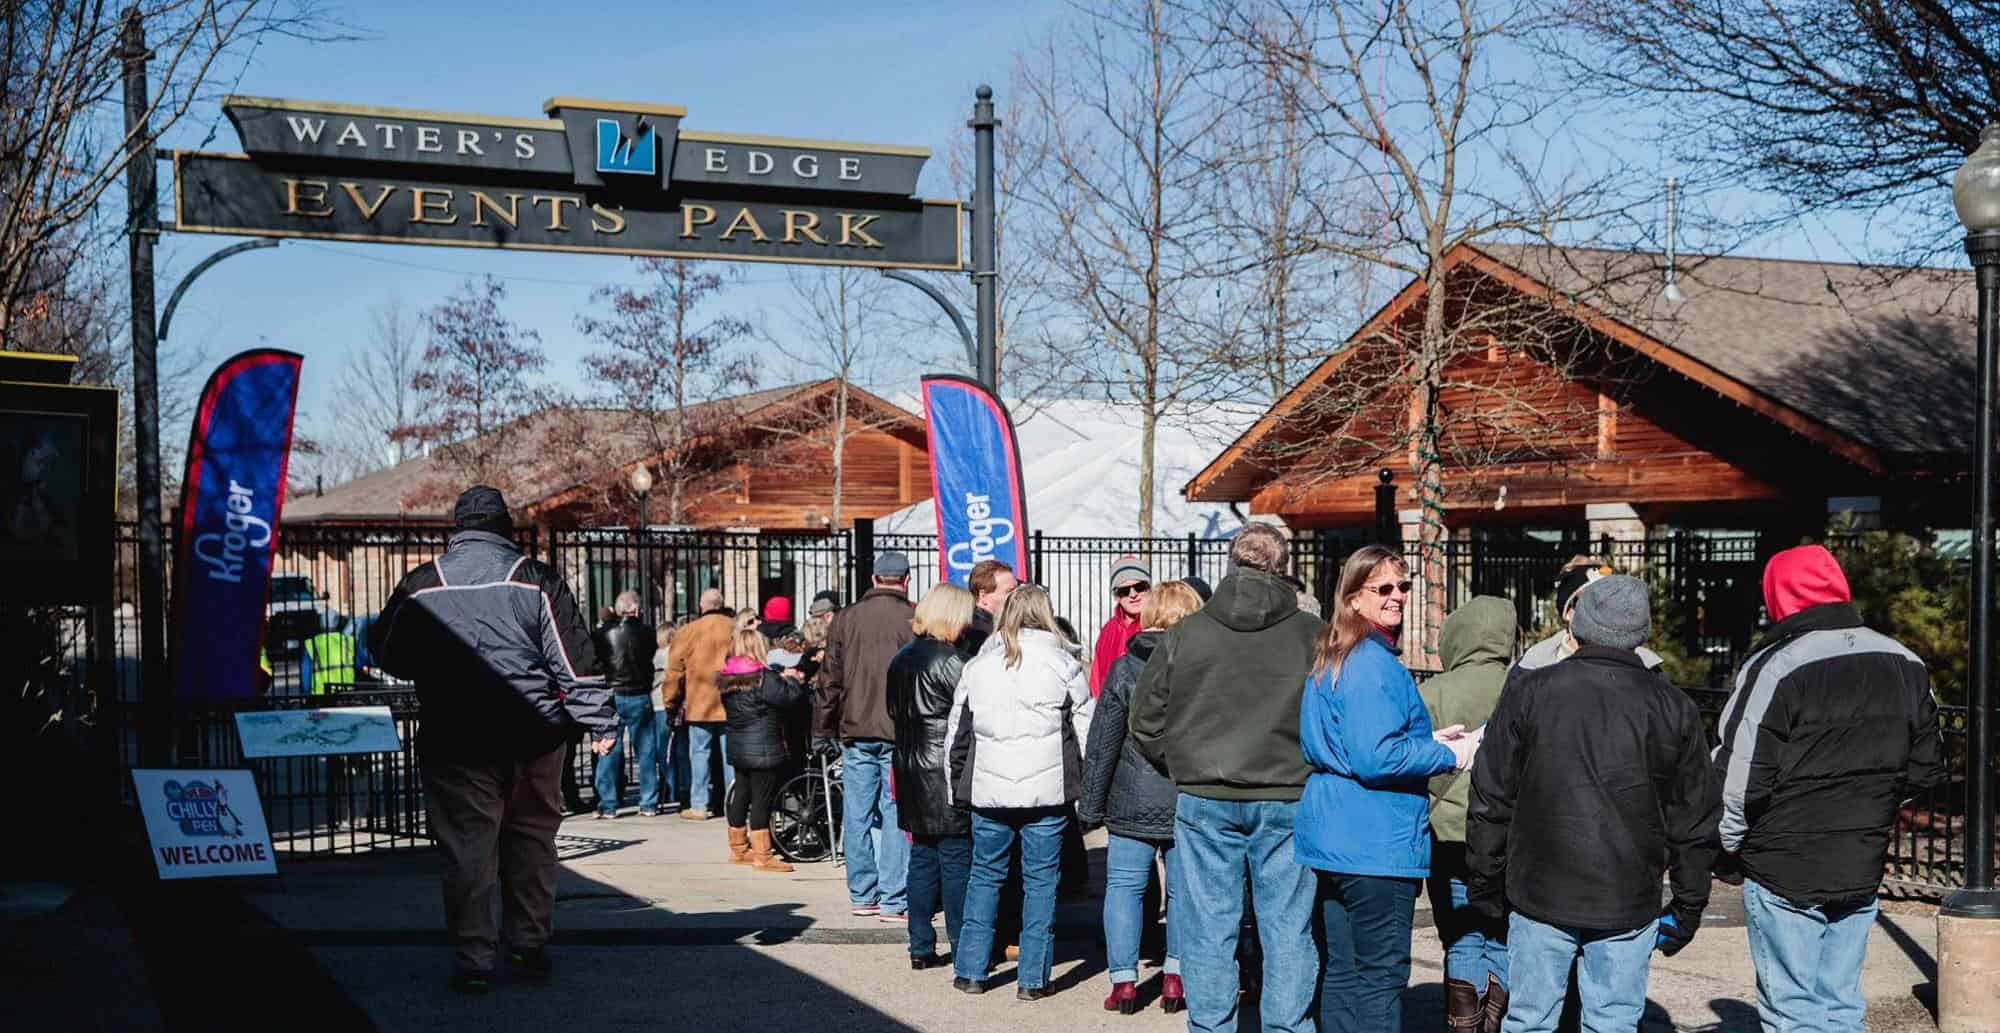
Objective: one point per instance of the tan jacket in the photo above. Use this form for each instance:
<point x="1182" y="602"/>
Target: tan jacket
<point x="692" y="664"/>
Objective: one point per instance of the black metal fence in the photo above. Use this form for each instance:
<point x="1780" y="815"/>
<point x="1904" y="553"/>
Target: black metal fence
<point x="332" y="805"/>
<point x="315" y="806"/>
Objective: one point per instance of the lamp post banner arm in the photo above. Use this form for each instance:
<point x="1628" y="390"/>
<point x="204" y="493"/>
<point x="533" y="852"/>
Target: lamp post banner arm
<point x="957" y="318"/>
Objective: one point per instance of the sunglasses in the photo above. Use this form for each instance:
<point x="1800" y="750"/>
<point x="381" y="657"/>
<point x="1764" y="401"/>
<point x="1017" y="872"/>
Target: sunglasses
<point x="1134" y="588"/>
<point x="1390" y="588"/>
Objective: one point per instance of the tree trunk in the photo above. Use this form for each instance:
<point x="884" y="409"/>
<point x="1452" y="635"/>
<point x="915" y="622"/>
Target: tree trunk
<point x="839" y="444"/>
<point x="1429" y="467"/>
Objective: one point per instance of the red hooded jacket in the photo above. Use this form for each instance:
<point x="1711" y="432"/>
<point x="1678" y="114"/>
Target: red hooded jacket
<point x="1801" y="578"/>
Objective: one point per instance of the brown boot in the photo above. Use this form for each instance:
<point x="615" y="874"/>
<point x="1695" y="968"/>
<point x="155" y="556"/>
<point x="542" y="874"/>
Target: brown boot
<point x="1463" y="1010"/>
<point x="739" y="845"/>
<point x="1495" y="1005"/>
<point x="761" y="857"/>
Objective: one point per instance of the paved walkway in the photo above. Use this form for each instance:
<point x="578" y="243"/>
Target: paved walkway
<point x="653" y="927"/>
<point x="654" y="931"/>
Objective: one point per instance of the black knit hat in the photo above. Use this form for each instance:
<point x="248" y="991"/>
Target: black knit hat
<point x="482" y="509"/>
<point x="1572" y="582"/>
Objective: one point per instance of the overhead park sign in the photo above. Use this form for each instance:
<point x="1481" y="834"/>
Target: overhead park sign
<point x="596" y="176"/>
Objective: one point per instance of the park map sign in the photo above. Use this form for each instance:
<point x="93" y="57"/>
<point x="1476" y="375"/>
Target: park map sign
<point x="597" y="176"/>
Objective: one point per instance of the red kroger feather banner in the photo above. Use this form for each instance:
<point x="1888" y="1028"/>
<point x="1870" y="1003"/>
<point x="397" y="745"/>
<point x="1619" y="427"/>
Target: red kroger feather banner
<point x="231" y="497"/>
<point x="982" y="507"/>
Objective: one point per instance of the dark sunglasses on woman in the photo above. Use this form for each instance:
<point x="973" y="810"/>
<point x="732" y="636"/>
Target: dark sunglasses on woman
<point x="1391" y="588"/>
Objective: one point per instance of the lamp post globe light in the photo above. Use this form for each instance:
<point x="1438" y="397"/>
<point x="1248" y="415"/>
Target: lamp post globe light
<point x="642" y="486"/>
<point x="1969" y="922"/>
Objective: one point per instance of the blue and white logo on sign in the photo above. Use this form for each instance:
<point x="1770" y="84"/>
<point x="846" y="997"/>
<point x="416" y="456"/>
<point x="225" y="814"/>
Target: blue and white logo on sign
<point x="617" y="152"/>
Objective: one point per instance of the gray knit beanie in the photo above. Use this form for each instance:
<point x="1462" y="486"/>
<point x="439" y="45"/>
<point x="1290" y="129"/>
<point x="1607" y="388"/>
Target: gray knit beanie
<point x="1613" y="611"/>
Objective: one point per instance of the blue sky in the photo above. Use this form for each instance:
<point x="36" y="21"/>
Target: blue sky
<point x="865" y="71"/>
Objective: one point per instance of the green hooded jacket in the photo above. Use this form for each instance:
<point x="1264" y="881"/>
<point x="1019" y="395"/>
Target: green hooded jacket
<point x="1476" y="644"/>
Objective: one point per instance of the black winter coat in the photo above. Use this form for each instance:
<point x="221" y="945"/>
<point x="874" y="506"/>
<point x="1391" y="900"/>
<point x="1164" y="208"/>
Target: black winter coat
<point x="504" y="664"/>
<point x="1831" y="726"/>
<point x="973" y="638"/>
<point x="1593" y="778"/>
<point x="1121" y="789"/>
<point x="626" y="647"/>
<point x="922" y="677"/>
<point x="758" y="706"/>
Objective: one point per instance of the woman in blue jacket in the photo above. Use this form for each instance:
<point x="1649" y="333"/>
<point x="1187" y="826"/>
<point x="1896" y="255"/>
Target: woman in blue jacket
<point x="1364" y="820"/>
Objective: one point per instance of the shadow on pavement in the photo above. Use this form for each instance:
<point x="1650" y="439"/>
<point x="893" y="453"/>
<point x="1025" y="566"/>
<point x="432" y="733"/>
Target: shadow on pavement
<point x="652" y="969"/>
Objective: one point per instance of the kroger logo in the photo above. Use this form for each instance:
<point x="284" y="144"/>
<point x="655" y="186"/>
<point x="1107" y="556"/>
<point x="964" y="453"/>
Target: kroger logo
<point x="242" y="531"/>
<point x="617" y="152"/>
<point x="987" y="531"/>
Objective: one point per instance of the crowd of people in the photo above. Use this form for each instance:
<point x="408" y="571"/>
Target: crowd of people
<point x="1285" y="780"/>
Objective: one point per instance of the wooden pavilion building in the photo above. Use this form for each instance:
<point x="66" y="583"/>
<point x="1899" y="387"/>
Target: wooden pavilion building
<point x="1583" y="399"/>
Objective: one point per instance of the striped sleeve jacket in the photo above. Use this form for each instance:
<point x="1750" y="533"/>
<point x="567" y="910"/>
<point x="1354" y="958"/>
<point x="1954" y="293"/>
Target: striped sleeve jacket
<point x="504" y="664"/>
<point x="1831" y="725"/>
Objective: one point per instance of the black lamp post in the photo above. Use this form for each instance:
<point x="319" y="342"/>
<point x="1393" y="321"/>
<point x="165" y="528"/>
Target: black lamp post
<point x="1969" y="922"/>
<point x="642" y="486"/>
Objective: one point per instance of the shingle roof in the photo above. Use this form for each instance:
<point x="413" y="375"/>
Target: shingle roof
<point x="1882" y="354"/>
<point x="614" y="438"/>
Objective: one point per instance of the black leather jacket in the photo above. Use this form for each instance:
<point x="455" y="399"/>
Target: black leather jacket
<point x="627" y="648"/>
<point x="923" y="676"/>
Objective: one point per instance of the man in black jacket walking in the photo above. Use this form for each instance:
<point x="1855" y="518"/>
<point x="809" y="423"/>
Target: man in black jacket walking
<point x="1830" y="727"/>
<point x="627" y="645"/>
<point x="505" y="671"/>
<point x="1593" y="772"/>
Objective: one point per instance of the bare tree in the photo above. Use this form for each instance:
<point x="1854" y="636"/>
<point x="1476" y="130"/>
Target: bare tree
<point x="1035" y="350"/>
<point x="669" y="356"/>
<point x="1299" y="299"/>
<point x="1847" y="104"/>
<point x="836" y="318"/>
<point x="1409" y="98"/>
<point x="62" y="145"/>
<point x="373" y="397"/>
<point x="473" y="391"/>
<point x="1129" y="135"/>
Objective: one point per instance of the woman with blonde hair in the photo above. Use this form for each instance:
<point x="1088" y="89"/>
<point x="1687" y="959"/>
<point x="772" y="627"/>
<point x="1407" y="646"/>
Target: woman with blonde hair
<point x="1363" y="822"/>
<point x="923" y="677"/>
<point x="1135" y="802"/>
<point x="755" y="696"/>
<point x="1018" y="724"/>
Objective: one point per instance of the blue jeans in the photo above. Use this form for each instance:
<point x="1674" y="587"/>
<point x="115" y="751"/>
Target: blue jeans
<point x="703" y="738"/>
<point x="939" y="867"/>
<point x="1221" y="840"/>
<point x="675" y="772"/>
<point x="635" y="721"/>
<point x="1128" y="866"/>
<point x="1611" y="969"/>
<point x="1808" y="961"/>
<point x="878" y="856"/>
<point x="993" y="834"/>
<point x="1366" y="920"/>
<point x="1475" y="947"/>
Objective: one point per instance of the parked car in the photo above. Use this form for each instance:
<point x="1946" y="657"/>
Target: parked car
<point x="295" y="613"/>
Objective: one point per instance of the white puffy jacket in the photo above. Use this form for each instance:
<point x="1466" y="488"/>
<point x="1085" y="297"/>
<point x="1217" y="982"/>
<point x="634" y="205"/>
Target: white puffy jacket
<point x="1010" y="743"/>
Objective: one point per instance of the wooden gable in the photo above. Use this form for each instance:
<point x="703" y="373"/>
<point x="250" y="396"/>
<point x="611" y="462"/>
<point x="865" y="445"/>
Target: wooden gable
<point x="1637" y="423"/>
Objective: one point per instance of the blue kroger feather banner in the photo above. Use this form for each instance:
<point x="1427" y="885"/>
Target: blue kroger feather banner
<point x="982" y="508"/>
<point x="231" y="497"/>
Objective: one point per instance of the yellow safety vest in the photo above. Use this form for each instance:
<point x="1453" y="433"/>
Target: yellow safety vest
<point x="332" y="656"/>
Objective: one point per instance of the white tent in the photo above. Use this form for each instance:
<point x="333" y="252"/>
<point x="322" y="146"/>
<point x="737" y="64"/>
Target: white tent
<point x="1080" y="460"/>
